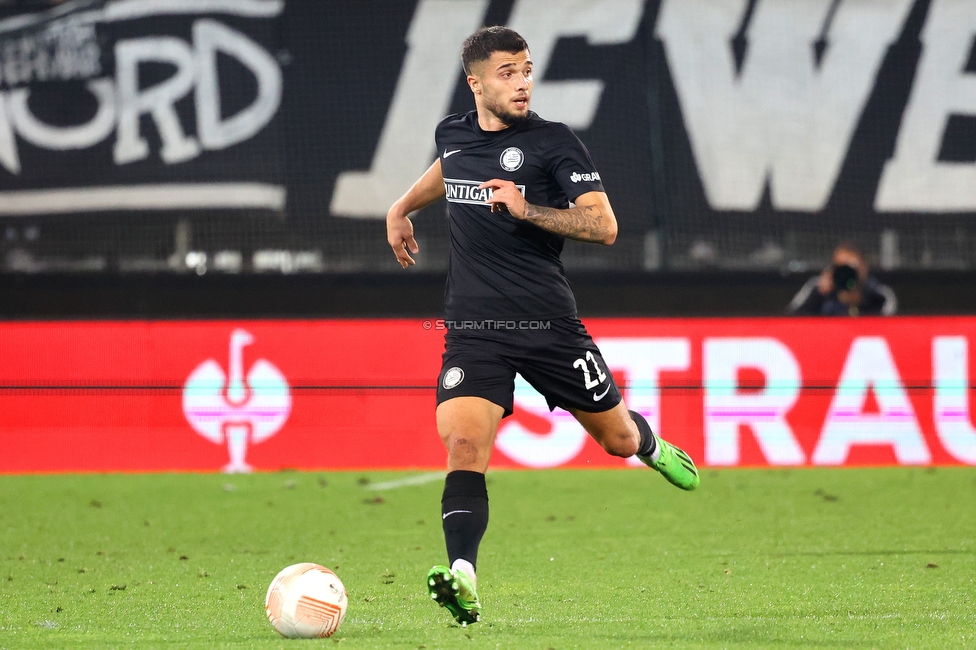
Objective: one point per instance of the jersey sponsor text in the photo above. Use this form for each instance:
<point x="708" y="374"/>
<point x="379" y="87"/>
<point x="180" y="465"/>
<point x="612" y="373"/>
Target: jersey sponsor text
<point x="460" y="191"/>
<point x="576" y="177"/>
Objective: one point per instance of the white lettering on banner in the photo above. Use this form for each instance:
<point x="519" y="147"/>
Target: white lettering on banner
<point x="764" y="411"/>
<point x="643" y="360"/>
<point x="231" y="407"/>
<point x="121" y="10"/>
<point x="726" y="407"/>
<point x="209" y="38"/>
<point x="422" y="96"/>
<point x="914" y="179"/>
<point x="953" y="424"/>
<point x="784" y="120"/>
<point x="123" y="101"/>
<point x="159" y="100"/>
<point x="870" y="366"/>
<point x="162" y="196"/>
<point x="602" y="22"/>
<point x="58" y="138"/>
<point x="426" y="85"/>
<point x="129" y="9"/>
<point x="9" y="157"/>
<point x="561" y="444"/>
<point x="194" y="69"/>
<point x="61" y="50"/>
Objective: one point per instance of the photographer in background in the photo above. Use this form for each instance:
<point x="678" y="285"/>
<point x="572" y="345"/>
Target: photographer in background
<point x="844" y="289"/>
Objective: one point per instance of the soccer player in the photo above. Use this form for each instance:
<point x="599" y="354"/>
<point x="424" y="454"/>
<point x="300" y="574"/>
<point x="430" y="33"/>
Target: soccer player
<point x="517" y="186"/>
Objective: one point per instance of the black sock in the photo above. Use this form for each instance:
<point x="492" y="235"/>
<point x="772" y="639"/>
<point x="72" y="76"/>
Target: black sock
<point x="647" y="441"/>
<point x="464" y="508"/>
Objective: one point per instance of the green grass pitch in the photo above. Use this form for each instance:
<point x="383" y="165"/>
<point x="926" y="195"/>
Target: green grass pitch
<point x="811" y="558"/>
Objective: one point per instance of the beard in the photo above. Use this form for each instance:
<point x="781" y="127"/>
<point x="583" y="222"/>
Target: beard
<point x="508" y="118"/>
<point x="512" y="119"/>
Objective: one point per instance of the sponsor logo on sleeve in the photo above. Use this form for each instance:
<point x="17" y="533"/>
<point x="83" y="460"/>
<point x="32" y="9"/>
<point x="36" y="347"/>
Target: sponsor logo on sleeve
<point x="576" y="177"/>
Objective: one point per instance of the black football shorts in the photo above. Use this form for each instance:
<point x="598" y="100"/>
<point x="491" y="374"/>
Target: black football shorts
<point x="557" y="358"/>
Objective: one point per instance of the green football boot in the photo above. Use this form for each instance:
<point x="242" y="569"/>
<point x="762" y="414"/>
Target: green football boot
<point x="674" y="464"/>
<point x="453" y="590"/>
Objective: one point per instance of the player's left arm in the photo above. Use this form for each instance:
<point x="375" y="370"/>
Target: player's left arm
<point x="590" y="220"/>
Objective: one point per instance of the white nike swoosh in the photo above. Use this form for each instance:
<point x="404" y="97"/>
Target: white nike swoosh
<point x="597" y="398"/>
<point x="448" y="154"/>
<point x="454" y="512"/>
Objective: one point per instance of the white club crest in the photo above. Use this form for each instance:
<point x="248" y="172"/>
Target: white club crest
<point x="453" y="377"/>
<point x="236" y="410"/>
<point x="511" y="159"/>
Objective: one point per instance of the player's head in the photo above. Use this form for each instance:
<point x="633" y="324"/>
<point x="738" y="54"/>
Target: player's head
<point x="499" y="69"/>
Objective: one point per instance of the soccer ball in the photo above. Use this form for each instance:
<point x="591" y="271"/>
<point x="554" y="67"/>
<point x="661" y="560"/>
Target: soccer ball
<point x="306" y="601"/>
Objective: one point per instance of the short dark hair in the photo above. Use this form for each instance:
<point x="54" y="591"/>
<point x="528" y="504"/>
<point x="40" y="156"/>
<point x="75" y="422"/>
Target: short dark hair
<point x="488" y="40"/>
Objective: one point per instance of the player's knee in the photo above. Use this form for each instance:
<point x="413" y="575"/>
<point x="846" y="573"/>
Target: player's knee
<point x="464" y="451"/>
<point x="461" y="445"/>
<point x="621" y="446"/>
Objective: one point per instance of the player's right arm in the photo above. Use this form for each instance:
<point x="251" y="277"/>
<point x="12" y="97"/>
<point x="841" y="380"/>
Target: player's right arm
<point x="399" y="228"/>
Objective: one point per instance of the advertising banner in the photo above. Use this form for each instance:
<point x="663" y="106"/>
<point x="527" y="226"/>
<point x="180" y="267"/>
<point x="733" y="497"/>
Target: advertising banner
<point x="359" y="394"/>
<point x="130" y="105"/>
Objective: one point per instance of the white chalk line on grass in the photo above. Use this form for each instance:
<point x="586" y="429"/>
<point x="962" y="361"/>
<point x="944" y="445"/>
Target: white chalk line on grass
<point x="419" y="479"/>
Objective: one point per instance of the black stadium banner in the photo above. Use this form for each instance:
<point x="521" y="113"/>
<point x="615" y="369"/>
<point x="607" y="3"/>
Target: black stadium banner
<point x="272" y="135"/>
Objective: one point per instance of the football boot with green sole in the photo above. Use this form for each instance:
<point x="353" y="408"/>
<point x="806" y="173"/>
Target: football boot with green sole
<point x="453" y="590"/>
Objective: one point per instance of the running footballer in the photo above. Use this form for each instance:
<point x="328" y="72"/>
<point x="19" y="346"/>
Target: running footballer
<point x="517" y="186"/>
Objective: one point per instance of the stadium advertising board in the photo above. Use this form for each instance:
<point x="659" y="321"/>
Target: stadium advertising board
<point x="343" y="394"/>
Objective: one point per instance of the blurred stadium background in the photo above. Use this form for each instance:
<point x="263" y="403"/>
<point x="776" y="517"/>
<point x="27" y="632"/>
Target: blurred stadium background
<point x="237" y="158"/>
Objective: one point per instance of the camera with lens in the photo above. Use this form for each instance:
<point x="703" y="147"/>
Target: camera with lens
<point x="845" y="277"/>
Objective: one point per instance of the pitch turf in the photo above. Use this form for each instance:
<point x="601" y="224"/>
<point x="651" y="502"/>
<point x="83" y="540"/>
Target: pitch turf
<point x="880" y="558"/>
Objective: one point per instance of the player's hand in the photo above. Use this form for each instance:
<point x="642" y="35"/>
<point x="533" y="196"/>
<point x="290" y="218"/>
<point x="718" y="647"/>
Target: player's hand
<point x="504" y="195"/>
<point x="399" y="235"/>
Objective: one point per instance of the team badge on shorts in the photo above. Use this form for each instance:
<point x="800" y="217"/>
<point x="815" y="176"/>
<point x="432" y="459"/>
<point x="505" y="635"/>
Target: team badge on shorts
<point x="453" y="377"/>
<point x="512" y="158"/>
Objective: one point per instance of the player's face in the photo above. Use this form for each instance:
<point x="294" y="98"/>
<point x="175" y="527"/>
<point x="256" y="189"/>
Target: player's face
<point x="504" y="83"/>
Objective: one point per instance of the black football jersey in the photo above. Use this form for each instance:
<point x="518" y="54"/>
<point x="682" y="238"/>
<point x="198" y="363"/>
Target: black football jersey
<point x="500" y="267"/>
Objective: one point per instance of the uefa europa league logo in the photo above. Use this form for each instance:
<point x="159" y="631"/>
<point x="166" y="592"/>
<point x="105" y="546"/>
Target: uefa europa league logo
<point x="233" y="408"/>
